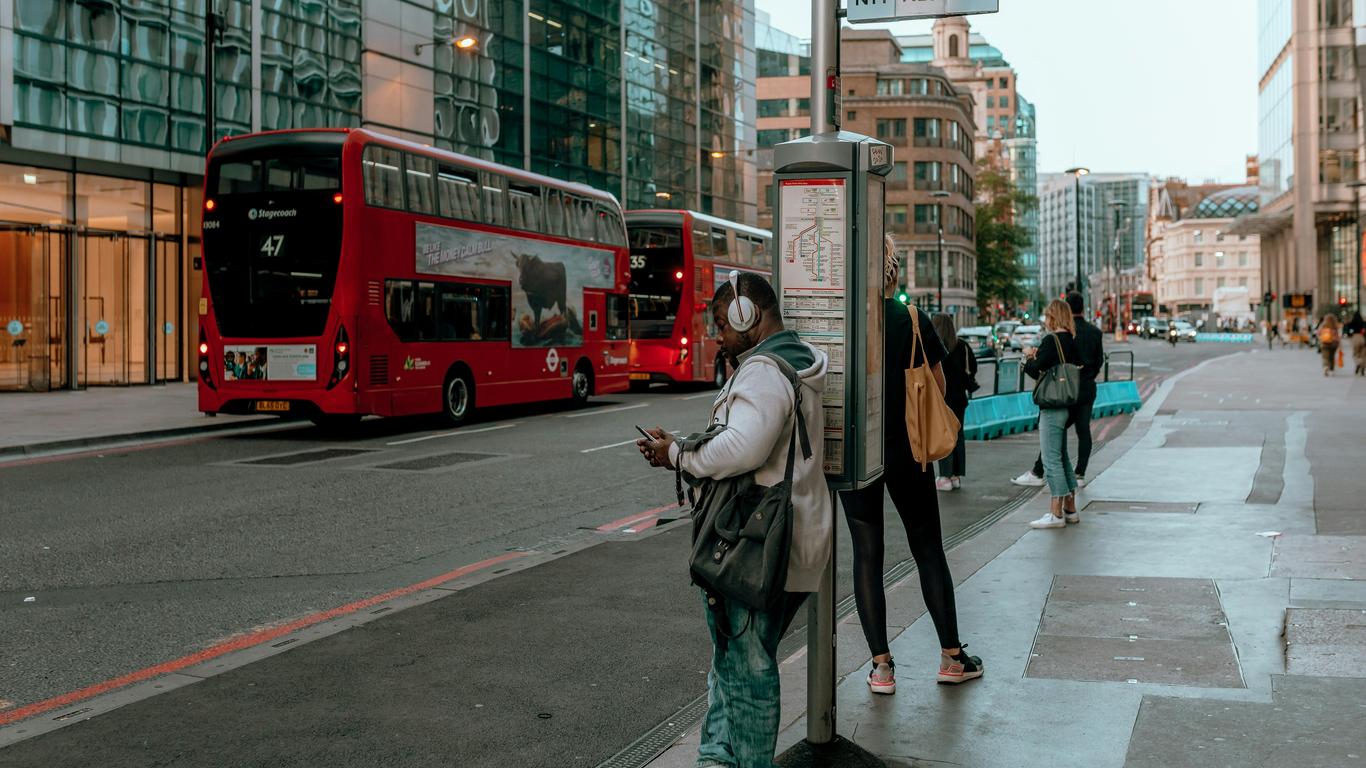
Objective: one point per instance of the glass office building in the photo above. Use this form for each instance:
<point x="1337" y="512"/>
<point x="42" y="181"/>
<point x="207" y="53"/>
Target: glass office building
<point x="103" y="134"/>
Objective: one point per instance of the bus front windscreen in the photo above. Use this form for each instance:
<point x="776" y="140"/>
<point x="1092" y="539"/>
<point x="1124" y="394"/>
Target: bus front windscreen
<point x="272" y="241"/>
<point x="657" y="279"/>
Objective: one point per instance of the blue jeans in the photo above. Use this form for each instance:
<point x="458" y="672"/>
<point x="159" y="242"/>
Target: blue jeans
<point x="1057" y="468"/>
<point x="743" y="700"/>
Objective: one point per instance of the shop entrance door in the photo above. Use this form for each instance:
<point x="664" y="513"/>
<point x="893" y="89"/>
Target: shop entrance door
<point x="114" y="308"/>
<point x="166" y="325"/>
<point x="32" y="307"/>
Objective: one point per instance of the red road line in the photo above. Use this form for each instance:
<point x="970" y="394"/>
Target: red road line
<point x="644" y="526"/>
<point x="639" y="516"/>
<point x="1101" y="437"/>
<point x="248" y="640"/>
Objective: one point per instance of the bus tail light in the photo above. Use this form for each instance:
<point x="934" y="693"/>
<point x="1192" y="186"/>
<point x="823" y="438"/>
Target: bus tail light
<point x="337" y="198"/>
<point x="209" y="204"/>
<point x="341" y="357"/>
<point x="205" y="375"/>
<point x="683" y="342"/>
<point x="678" y="275"/>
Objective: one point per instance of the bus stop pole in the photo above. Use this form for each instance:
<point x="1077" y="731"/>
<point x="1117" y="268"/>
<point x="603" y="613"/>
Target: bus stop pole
<point x="820" y="626"/>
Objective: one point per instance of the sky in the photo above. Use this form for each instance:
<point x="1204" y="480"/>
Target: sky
<point x="1164" y="87"/>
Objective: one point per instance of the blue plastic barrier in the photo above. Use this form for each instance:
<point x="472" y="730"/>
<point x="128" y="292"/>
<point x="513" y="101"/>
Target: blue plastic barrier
<point x="988" y="418"/>
<point x="1227" y="338"/>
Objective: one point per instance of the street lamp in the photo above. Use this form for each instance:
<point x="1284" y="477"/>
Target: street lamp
<point x="1120" y="208"/>
<point x="468" y="43"/>
<point x="1356" y="222"/>
<point x="1076" y="174"/>
<point x="939" y="196"/>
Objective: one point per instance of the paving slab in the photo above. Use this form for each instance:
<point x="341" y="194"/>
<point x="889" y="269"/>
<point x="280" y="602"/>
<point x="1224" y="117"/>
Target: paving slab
<point x="1327" y="593"/>
<point x="1320" y="557"/>
<point x="1312" y="721"/>
<point x="1325" y="642"/>
<point x="1165" y="474"/>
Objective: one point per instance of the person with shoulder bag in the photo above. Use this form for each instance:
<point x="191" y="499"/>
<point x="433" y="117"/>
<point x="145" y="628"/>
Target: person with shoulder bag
<point x="960" y="381"/>
<point x="1053" y="364"/>
<point x="912" y="387"/>
<point x="1329" y="336"/>
<point x="762" y="513"/>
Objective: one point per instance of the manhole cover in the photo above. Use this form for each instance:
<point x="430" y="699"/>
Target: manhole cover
<point x="1141" y="506"/>
<point x="307" y="457"/>
<point x="438" y="461"/>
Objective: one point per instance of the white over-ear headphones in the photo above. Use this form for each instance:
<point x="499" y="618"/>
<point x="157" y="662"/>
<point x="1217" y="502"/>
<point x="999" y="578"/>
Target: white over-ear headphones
<point x="742" y="314"/>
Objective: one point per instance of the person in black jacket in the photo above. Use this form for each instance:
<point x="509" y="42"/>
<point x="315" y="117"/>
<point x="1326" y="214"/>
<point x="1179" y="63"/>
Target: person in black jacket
<point x="960" y="378"/>
<point x="1058" y="347"/>
<point x="1091" y="358"/>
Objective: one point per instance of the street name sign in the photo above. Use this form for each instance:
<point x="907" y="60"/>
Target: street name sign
<point x="864" y="11"/>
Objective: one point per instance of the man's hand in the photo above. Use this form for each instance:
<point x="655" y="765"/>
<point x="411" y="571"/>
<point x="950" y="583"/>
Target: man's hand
<point x="656" y="451"/>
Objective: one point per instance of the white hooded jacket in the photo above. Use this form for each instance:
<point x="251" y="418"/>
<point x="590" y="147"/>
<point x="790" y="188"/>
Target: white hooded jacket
<point x="756" y="407"/>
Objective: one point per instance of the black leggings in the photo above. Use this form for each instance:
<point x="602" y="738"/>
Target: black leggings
<point x="916" y="501"/>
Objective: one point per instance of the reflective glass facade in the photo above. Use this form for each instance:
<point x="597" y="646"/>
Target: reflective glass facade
<point x="1275" y="105"/>
<point x="310" y="64"/>
<point x="662" y="154"/>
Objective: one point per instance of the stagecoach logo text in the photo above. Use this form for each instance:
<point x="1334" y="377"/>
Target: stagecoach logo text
<point x="440" y="253"/>
<point x="263" y="213"/>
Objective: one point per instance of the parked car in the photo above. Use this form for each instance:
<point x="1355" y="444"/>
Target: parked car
<point x="1025" y="336"/>
<point x="979" y="339"/>
<point x="1003" y="331"/>
<point x="1184" y="331"/>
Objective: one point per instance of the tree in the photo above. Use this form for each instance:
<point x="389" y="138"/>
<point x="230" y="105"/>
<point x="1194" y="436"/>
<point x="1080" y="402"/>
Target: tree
<point x="999" y="238"/>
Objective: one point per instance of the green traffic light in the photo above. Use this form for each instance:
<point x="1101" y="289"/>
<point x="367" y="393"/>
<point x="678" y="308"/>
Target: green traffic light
<point x="903" y="298"/>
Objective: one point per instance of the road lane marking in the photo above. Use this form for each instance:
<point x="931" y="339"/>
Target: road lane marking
<point x="623" y="442"/>
<point x="637" y="519"/>
<point x="456" y="433"/>
<point x="249" y="640"/>
<point x="607" y="410"/>
<point x="704" y="394"/>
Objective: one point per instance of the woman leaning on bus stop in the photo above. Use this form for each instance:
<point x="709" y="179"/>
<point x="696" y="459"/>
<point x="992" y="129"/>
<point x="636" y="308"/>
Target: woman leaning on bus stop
<point x="913" y="495"/>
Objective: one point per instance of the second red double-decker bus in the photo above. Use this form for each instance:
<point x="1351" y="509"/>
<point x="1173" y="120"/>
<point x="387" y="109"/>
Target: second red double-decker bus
<point x="350" y="273"/>
<point x="678" y="258"/>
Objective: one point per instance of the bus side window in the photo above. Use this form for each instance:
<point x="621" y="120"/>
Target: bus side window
<point x="719" y="246"/>
<point x="497" y="312"/>
<point x="611" y="228"/>
<point x="424" y="312"/>
<point x="701" y="244"/>
<point x="583" y="214"/>
<point x="554" y="213"/>
<point x="383" y="176"/>
<point x="744" y="252"/>
<point x="524" y="203"/>
<point x="458" y="193"/>
<point x="761" y="257"/>
<point x="400" y="304"/>
<point x="495" y="207"/>
<point x="617" y="316"/>
<point x="419" y="175"/>
<point x="458" y="312"/>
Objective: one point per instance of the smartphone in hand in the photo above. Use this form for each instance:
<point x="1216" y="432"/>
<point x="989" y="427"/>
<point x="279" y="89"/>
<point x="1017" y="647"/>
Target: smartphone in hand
<point x="647" y="435"/>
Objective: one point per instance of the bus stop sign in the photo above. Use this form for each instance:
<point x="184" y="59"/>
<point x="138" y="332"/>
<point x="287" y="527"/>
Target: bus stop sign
<point x="864" y="11"/>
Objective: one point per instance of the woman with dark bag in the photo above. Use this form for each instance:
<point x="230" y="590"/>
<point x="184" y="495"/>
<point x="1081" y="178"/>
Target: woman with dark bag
<point x="960" y="381"/>
<point x="913" y="495"/>
<point x="1056" y="349"/>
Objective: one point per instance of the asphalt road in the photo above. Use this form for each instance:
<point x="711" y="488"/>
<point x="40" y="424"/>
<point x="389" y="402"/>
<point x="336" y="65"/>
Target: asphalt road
<point x="133" y="558"/>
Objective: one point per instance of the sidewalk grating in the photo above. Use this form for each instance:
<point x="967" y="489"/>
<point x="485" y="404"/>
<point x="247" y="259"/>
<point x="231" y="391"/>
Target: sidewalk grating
<point x="439" y="461"/>
<point x="1141" y="506"/>
<point x="306" y="457"/>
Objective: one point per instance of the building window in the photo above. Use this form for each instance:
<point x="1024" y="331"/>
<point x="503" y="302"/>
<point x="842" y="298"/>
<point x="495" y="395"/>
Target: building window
<point x="891" y="87"/>
<point x="1199" y="236"/>
<point x="927" y="176"/>
<point x="1219" y="283"/>
<point x="1339" y="114"/>
<point x="925" y="218"/>
<point x="1335" y="13"/>
<point x="1218" y="236"/>
<point x="1005" y="101"/>
<point x="770" y="136"/>
<point x="1218" y="259"/>
<point x="851" y="116"/>
<point x="897" y="178"/>
<point x="1337" y="166"/>
<point x="926" y="269"/>
<point x="1336" y="62"/>
<point x="1242" y="259"/>
<point x="1242" y="282"/>
<point x="991" y="123"/>
<point x="953" y="46"/>
<point x="803" y="107"/>
<point x="926" y="132"/>
<point x="1005" y="82"/>
<point x="919" y="86"/>
<point x="1199" y="259"/>
<point x="1199" y="286"/>
<point x="991" y="103"/>
<point x="896" y="218"/>
<point x="892" y="129"/>
<point x="772" y="107"/>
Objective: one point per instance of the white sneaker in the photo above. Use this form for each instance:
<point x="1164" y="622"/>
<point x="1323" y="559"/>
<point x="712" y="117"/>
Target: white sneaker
<point x="1071" y="517"/>
<point x="1081" y="481"/>
<point x="943" y="484"/>
<point x="1029" y="479"/>
<point x="1048" y="521"/>
<point x="957" y="482"/>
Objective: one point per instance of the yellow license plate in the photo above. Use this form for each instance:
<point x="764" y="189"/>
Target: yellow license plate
<point x="272" y="406"/>
<point x="640" y="377"/>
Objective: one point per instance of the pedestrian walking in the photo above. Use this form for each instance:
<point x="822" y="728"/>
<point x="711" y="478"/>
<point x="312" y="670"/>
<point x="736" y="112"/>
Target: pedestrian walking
<point x="913" y="495"/>
<point x="960" y="381"/>
<point x="1091" y="357"/>
<point x="754" y="430"/>
<point x="1058" y="348"/>
<point x="1329" y="334"/>
<point x="1356" y="331"/>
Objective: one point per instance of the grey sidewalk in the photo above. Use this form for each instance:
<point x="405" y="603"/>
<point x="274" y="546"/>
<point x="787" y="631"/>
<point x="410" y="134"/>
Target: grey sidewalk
<point x="41" y="421"/>
<point x="1209" y="610"/>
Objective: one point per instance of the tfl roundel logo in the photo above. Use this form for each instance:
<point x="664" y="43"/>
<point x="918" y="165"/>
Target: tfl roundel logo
<point x="252" y="214"/>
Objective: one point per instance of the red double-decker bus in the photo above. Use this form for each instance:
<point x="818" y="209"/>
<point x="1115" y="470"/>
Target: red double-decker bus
<point x="678" y="259"/>
<point x="350" y="273"/>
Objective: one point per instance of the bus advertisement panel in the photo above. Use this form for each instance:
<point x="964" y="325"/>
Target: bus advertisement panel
<point x="350" y="273"/>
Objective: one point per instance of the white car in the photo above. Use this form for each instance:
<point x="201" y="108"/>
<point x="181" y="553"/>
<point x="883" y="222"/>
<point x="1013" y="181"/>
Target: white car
<point x="1184" y="331"/>
<point x="1026" y="336"/>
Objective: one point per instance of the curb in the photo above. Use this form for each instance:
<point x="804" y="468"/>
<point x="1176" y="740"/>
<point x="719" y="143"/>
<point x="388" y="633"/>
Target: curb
<point x="13" y="452"/>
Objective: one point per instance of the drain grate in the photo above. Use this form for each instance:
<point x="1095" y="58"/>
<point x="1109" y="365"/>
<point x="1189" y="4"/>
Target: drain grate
<point x="439" y="461"/>
<point x="307" y="457"/>
<point x="1141" y="506"/>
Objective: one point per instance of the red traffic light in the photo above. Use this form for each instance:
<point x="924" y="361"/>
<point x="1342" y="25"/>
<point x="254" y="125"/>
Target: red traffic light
<point x="1342" y="301"/>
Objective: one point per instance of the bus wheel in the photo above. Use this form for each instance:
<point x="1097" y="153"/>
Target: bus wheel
<point x="719" y="377"/>
<point x="582" y="382"/>
<point x="457" y="397"/>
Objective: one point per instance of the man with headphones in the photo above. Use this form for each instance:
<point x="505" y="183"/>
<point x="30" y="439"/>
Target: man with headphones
<point x="756" y="405"/>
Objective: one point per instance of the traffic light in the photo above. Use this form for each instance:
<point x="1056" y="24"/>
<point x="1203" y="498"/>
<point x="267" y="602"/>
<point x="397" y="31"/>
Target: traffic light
<point x="902" y="296"/>
<point x="1342" y="301"/>
<point x="1268" y="297"/>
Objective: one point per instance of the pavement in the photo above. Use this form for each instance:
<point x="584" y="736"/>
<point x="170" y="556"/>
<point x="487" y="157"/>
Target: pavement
<point x="40" y="422"/>
<point x="1209" y="610"/>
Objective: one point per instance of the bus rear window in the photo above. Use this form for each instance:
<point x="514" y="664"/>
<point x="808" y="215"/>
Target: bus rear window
<point x="302" y="173"/>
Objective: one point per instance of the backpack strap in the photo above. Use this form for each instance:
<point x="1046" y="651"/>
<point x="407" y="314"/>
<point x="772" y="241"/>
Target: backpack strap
<point x="800" y="427"/>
